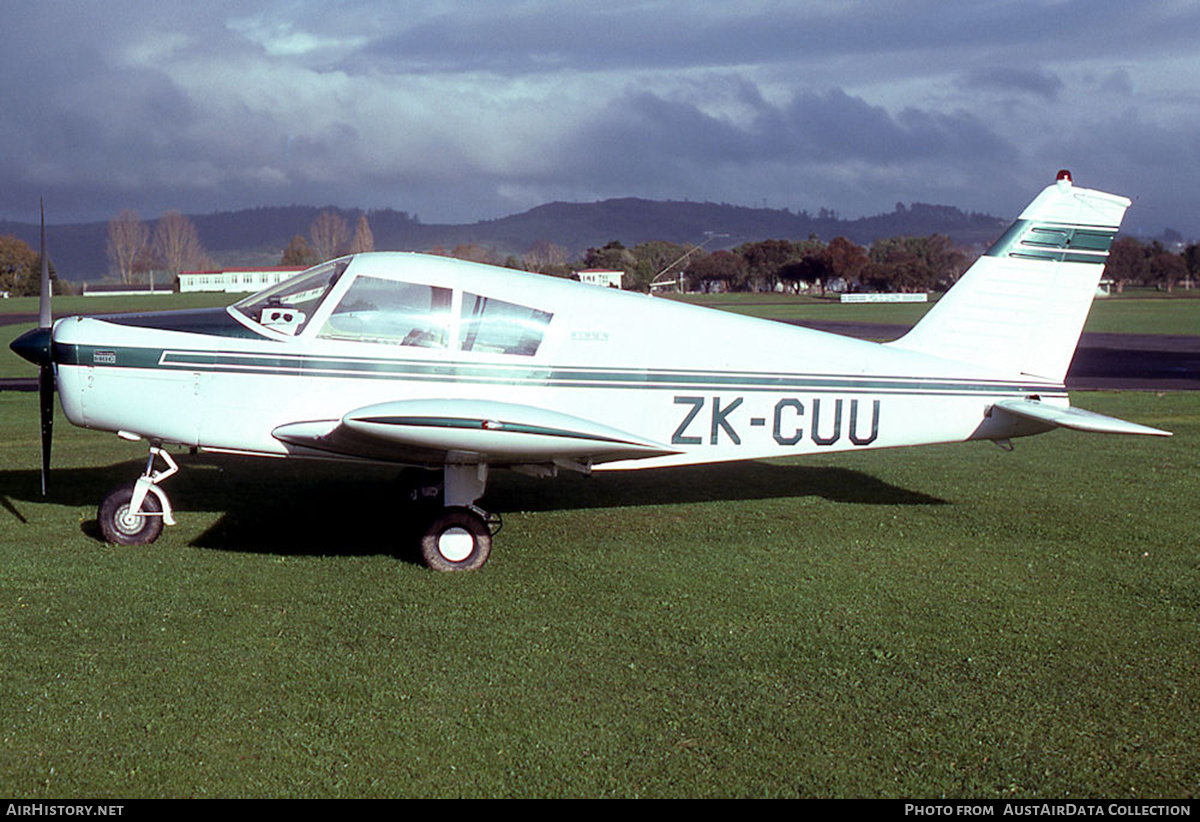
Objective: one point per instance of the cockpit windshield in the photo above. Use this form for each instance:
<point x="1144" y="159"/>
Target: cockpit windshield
<point x="287" y="307"/>
<point x="378" y="308"/>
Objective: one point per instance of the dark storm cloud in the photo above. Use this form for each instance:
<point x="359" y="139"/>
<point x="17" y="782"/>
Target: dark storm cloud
<point x="837" y="126"/>
<point x="83" y="125"/>
<point x="535" y="37"/>
<point x="1117" y="83"/>
<point x="461" y="111"/>
<point x="643" y="139"/>
<point x="633" y="36"/>
<point x="1017" y="80"/>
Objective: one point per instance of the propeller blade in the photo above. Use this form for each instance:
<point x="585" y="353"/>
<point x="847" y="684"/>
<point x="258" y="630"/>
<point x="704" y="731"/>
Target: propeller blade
<point x="44" y="316"/>
<point x="45" y="370"/>
<point x="46" y="410"/>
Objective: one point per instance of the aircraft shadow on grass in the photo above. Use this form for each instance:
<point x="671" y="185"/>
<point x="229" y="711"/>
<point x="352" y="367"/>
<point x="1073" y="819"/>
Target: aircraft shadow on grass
<point x="275" y="507"/>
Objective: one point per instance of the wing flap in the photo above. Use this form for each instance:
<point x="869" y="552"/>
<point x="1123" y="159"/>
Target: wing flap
<point x="1076" y="419"/>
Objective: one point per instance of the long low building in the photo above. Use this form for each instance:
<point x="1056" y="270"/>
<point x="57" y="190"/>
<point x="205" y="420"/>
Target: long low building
<point x="126" y="289"/>
<point x="235" y="280"/>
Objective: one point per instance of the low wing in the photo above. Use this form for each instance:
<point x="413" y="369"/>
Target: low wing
<point x="1074" y="418"/>
<point x="467" y="431"/>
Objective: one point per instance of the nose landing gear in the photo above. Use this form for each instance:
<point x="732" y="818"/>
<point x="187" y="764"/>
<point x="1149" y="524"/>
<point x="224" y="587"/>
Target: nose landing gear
<point x="135" y="514"/>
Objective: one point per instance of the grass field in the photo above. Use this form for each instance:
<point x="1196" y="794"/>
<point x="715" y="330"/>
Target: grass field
<point x="1137" y="312"/>
<point x="947" y="621"/>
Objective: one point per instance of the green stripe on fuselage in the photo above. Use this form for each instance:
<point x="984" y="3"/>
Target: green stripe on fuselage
<point x="460" y="423"/>
<point x="499" y="374"/>
<point x="106" y="356"/>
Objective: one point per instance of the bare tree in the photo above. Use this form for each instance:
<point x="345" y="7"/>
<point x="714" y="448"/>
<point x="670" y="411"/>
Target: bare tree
<point x="329" y="234"/>
<point x="177" y="244"/>
<point x="127" y="239"/>
<point x="363" y="240"/>
<point x="544" y="256"/>
<point x="475" y="253"/>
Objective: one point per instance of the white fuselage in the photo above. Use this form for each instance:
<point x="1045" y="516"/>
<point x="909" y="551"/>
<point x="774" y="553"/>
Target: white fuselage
<point x="711" y="386"/>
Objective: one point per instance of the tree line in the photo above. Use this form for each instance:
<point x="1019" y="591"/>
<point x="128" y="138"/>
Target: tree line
<point x="893" y="264"/>
<point x="1133" y="262"/>
<point x="897" y="264"/>
<point x="134" y="255"/>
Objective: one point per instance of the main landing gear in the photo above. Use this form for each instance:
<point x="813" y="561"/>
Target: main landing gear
<point x="460" y="536"/>
<point x="135" y="514"/>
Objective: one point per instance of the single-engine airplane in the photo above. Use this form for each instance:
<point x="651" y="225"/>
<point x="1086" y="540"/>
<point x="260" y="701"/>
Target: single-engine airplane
<point x="459" y="368"/>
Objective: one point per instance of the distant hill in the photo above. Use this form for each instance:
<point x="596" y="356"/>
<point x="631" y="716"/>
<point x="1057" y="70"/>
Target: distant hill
<point x="579" y="226"/>
<point x="257" y="236"/>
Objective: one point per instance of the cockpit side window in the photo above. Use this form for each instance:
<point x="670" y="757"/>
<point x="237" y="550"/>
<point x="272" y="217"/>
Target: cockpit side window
<point x="378" y="310"/>
<point x="494" y="326"/>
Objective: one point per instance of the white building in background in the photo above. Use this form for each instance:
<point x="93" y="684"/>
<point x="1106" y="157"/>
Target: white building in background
<point x="235" y="280"/>
<point x="600" y="276"/>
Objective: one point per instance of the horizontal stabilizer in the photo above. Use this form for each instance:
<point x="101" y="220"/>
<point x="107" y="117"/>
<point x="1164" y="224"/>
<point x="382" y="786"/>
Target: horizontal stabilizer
<point x="1074" y="418"/>
<point x="464" y="430"/>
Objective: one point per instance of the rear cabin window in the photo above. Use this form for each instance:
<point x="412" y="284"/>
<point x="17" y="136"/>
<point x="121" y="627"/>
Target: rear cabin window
<point x="498" y="327"/>
<point x="386" y="311"/>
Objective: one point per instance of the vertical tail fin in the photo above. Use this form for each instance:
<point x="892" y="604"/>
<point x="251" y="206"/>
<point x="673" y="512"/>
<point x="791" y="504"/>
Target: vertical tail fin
<point x="1021" y="307"/>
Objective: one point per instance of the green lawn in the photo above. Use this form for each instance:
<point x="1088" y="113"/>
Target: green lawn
<point x="947" y="621"/>
<point x="1137" y="312"/>
<point x="68" y="306"/>
<point x="1145" y="316"/>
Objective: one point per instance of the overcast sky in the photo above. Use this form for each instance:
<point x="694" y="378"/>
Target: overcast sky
<point x="459" y="111"/>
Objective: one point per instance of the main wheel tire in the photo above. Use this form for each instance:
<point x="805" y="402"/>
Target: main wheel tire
<point x="457" y="540"/>
<point x="120" y="527"/>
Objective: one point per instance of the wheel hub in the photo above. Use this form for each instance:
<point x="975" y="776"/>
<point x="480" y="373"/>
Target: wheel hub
<point x="456" y="544"/>
<point x="127" y="522"/>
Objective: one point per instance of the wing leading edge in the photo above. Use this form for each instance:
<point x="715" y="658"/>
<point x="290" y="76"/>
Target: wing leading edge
<point x="467" y="431"/>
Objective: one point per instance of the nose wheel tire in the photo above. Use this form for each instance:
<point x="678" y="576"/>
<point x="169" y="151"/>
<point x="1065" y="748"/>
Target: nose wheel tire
<point x="120" y="526"/>
<point x="457" y="540"/>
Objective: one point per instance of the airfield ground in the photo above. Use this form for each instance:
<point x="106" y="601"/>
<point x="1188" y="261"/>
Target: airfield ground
<point x="946" y="621"/>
